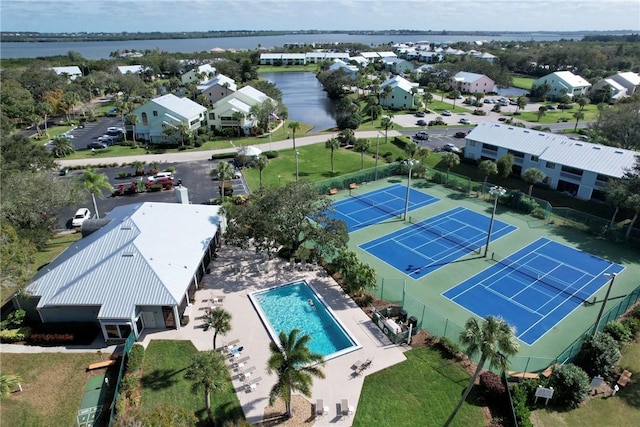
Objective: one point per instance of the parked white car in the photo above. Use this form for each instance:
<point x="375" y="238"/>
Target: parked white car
<point x="81" y="216"/>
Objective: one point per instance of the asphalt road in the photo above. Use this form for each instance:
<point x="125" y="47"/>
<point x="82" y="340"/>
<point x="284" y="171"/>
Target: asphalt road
<point x="92" y="131"/>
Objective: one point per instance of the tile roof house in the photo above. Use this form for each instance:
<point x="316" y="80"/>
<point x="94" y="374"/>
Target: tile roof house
<point x="578" y="167"/>
<point x="132" y="273"/>
<point x="564" y="83"/>
<point x="217" y="88"/>
<point x="223" y="113"/>
<point x="471" y="83"/>
<point x="164" y="112"/>
<point x="72" y="72"/>
<point x="199" y="74"/>
<point x="401" y="95"/>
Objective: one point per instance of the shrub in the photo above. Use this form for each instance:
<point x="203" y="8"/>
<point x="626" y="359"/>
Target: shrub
<point x="636" y="312"/>
<point x="633" y="324"/>
<point x="15" y="335"/>
<point x="122" y="175"/>
<point x="598" y="354"/>
<point x="522" y="412"/>
<point x="570" y="384"/>
<point x="491" y="386"/>
<point x="135" y="358"/>
<point x="270" y="154"/>
<point x="449" y="346"/>
<point x="618" y="331"/>
<point x="154" y="187"/>
<point x="14" y="320"/>
<point x="129" y="384"/>
<point x="51" y="339"/>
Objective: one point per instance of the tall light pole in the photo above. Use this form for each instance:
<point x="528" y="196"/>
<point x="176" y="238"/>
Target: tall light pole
<point x="612" y="276"/>
<point x="410" y="162"/>
<point x="297" y="170"/>
<point x="496" y="192"/>
<point x="377" y="154"/>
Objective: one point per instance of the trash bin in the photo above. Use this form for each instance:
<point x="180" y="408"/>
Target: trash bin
<point x="413" y="321"/>
<point x="402" y="316"/>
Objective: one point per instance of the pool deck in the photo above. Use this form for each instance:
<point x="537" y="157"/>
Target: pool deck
<point x="235" y="274"/>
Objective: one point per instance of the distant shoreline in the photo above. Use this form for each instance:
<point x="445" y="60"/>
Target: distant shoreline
<point x="33" y="37"/>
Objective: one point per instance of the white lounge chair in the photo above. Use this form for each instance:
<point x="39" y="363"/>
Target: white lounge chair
<point x="321" y="408"/>
<point x="346" y="409"/>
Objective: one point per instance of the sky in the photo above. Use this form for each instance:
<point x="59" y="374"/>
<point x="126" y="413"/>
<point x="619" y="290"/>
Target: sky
<point x="212" y="15"/>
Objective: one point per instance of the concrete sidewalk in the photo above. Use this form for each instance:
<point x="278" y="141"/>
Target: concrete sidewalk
<point x="191" y="156"/>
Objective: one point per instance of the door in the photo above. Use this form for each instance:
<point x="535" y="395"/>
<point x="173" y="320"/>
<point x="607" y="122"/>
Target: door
<point x="149" y="319"/>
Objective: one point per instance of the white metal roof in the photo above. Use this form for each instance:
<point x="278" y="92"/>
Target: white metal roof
<point x="463" y="76"/>
<point x="628" y="76"/>
<point x="71" y="71"/>
<point x="397" y="81"/>
<point x="571" y="79"/>
<point x="220" y="79"/>
<point x="601" y="159"/>
<point x="146" y="255"/>
<point x="133" y="69"/>
<point x="180" y="106"/>
<point x="254" y="93"/>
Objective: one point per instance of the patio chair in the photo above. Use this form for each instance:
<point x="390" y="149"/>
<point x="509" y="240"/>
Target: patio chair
<point x="228" y="347"/>
<point x="239" y="363"/>
<point x="321" y="409"/>
<point x="244" y="375"/>
<point x="252" y="384"/>
<point x="345" y="408"/>
<point x="303" y="265"/>
<point x="292" y="264"/>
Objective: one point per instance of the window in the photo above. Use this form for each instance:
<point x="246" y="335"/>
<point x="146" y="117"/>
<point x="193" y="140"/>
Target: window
<point x="472" y="143"/>
<point x="534" y="158"/>
<point x="212" y="116"/>
<point x="571" y="170"/>
<point x="145" y="120"/>
<point x="155" y="113"/>
<point x="489" y="147"/>
<point x="550" y="165"/>
<point x="517" y="154"/>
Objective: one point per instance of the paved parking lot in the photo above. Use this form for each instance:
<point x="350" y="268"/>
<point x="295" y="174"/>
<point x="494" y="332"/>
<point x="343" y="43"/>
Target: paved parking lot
<point x="93" y="130"/>
<point x="194" y="175"/>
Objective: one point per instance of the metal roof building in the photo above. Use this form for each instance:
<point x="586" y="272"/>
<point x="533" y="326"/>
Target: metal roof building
<point x="138" y="271"/>
<point x="578" y="167"/>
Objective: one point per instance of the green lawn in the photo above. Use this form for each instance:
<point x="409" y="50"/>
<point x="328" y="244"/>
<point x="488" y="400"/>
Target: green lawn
<point x="286" y="68"/>
<point x="314" y="163"/>
<point x="620" y="410"/>
<point x="522" y="82"/>
<point x="163" y="382"/>
<point x="419" y="392"/>
<point x="553" y="116"/>
<point x="52" y="384"/>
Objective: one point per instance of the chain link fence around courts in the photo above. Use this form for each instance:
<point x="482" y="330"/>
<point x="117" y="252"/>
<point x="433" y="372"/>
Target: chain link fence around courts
<point x="131" y="339"/>
<point x="366" y="175"/>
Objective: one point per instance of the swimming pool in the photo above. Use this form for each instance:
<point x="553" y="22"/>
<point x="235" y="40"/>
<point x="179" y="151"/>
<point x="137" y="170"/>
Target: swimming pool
<point x="285" y="307"/>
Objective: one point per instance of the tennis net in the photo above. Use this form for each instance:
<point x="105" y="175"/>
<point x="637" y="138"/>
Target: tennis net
<point x="542" y="278"/>
<point x="377" y="205"/>
<point x="472" y="245"/>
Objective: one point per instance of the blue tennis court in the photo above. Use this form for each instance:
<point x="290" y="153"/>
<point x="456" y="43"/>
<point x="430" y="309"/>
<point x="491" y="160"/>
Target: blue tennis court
<point x="426" y="246"/>
<point x="362" y="210"/>
<point x="535" y="288"/>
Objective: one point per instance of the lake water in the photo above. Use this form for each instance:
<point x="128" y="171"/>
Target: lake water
<point x="305" y="100"/>
<point x="102" y="49"/>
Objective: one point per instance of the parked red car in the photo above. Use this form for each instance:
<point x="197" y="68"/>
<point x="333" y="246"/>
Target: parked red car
<point x="164" y="181"/>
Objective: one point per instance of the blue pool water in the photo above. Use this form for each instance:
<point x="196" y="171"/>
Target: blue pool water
<point x="286" y="307"/>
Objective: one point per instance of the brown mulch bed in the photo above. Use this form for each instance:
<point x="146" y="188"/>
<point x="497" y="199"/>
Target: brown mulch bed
<point x="302" y="413"/>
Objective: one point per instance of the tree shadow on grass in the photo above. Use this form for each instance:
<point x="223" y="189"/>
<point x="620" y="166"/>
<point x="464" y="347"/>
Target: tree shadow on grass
<point x="330" y="174"/>
<point x="160" y="379"/>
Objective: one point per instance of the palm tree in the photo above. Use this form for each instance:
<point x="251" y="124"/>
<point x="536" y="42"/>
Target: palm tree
<point x="347" y="137"/>
<point x="583" y="101"/>
<point x="8" y="383"/>
<point x="521" y="103"/>
<point x="361" y="145"/>
<point x="427" y="97"/>
<point x="237" y="116"/>
<point x="542" y="111"/>
<point x="578" y="115"/>
<point x="207" y="370"/>
<point x="386" y="122"/>
<point x="224" y="172"/>
<point x="532" y="176"/>
<point x="62" y="146"/>
<point x="261" y="162"/>
<point x="494" y="340"/>
<point x="132" y="120"/>
<point x="386" y="91"/>
<point x="94" y="183"/>
<point x="617" y="194"/>
<point x="411" y="148"/>
<point x="44" y="109"/>
<point x="218" y="319"/>
<point x="487" y="167"/>
<point x="332" y="144"/>
<point x="633" y="203"/>
<point x="294" y="126"/>
<point x="295" y="366"/>
<point x="455" y="94"/>
<point x="138" y="165"/>
<point x="450" y="160"/>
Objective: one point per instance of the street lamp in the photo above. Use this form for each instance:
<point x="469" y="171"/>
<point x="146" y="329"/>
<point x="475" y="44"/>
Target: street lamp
<point x="411" y="163"/>
<point x="612" y="276"/>
<point x="297" y="170"/>
<point x="496" y="192"/>
<point x="377" y="154"/>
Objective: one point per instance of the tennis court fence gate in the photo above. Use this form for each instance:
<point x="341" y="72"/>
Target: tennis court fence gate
<point x="131" y="339"/>
<point x="437" y="324"/>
